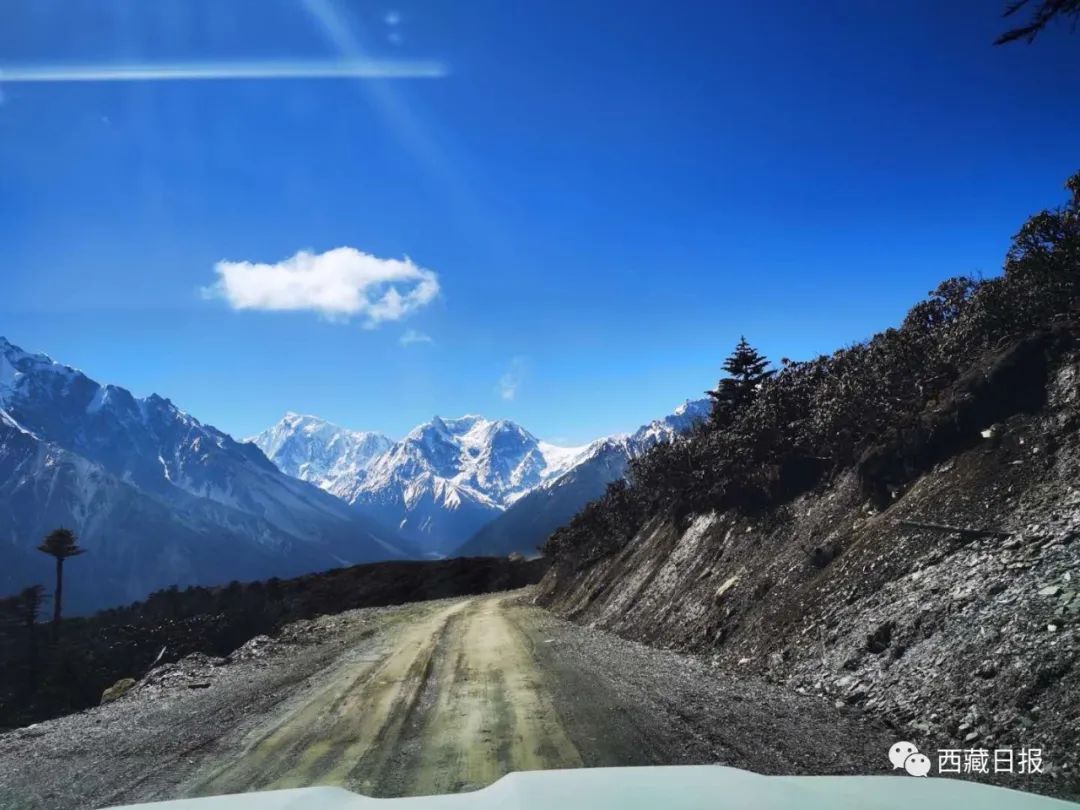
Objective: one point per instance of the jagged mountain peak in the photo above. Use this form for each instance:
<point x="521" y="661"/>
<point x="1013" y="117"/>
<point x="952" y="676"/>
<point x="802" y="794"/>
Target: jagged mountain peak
<point x="313" y="449"/>
<point x="33" y="379"/>
<point x="450" y="476"/>
<point x="156" y="495"/>
<point x="585" y="475"/>
<point x="10" y="350"/>
<point x="487" y="461"/>
<point x="471" y="428"/>
<point x="679" y="421"/>
<point x="17" y="366"/>
<point x="439" y="483"/>
<point x="310" y="421"/>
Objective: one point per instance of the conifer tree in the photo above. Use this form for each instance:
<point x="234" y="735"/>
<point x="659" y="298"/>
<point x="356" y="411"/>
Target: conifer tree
<point x="29" y="606"/>
<point x="61" y="544"/>
<point x="746" y="370"/>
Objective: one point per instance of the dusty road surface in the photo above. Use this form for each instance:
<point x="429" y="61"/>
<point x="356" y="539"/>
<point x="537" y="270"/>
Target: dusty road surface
<point x="425" y="698"/>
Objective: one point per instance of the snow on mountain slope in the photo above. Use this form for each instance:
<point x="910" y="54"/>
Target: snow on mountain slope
<point x="530" y="520"/>
<point x="449" y="478"/>
<point x="315" y="450"/>
<point x="156" y="496"/>
<point x="440" y="483"/>
<point x="627" y="446"/>
<point x="677" y="423"/>
<point x="492" y="462"/>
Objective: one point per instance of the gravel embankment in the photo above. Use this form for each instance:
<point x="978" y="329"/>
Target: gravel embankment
<point x="662" y="707"/>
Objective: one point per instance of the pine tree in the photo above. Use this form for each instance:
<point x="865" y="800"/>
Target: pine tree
<point x="746" y="370"/>
<point x="29" y="606"/>
<point x="61" y="544"/>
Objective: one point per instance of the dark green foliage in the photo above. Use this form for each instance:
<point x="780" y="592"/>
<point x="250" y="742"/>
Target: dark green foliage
<point x="746" y="371"/>
<point x="1045" y="12"/>
<point x="27" y="605"/>
<point x="18" y="620"/>
<point x="972" y="353"/>
<point x="61" y="544"/>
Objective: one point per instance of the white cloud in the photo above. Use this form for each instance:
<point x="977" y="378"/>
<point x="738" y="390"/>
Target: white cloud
<point x="338" y="284"/>
<point x="411" y="336"/>
<point x="510" y="382"/>
<point x="392" y="18"/>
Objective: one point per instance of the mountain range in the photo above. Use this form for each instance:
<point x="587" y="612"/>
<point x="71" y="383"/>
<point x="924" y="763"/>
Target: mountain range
<point x="156" y="497"/>
<point x="531" y="519"/>
<point x="463" y="486"/>
<point x="159" y="498"/>
<point x="437" y="486"/>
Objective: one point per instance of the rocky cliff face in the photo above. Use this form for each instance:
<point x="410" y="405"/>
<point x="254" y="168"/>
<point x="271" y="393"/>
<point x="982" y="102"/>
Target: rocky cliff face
<point x="960" y="640"/>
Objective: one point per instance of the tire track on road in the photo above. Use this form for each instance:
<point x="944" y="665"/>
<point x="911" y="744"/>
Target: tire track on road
<point x="326" y="739"/>
<point x="493" y="713"/>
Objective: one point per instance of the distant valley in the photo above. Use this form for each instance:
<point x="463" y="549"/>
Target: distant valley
<point x="159" y="498"/>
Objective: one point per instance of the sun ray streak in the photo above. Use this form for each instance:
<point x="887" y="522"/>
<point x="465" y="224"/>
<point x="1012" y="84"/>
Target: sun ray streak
<point x="218" y="71"/>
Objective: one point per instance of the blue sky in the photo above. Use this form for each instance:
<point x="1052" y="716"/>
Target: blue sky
<point x="603" y="196"/>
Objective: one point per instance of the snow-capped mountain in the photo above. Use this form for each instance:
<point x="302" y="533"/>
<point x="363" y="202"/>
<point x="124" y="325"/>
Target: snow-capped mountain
<point x="531" y="519"/>
<point x="155" y="496"/>
<point x="677" y="423"/>
<point x="315" y="450"/>
<point x="442" y="482"/>
<point x="448" y="479"/>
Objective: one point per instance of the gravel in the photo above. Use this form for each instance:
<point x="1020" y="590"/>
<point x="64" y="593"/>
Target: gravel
<point x="146" y="742"/>
<point x="676" y="709"/>
<point x="620" y="703"/>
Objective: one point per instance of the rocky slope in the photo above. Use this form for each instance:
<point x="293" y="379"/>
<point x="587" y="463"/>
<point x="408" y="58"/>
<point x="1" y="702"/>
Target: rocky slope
<point x="958" y="640"/>
<point x="155" y="496"/>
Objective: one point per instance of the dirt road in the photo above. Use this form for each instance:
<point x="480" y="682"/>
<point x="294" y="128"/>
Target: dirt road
<point x="454" y="704"/>
<point x="428" y="698"/>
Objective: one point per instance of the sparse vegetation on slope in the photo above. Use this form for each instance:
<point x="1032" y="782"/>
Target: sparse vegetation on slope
<point x="39" y="680"/>
<point x="972" y="353"/>
<point x="893" y="527"/>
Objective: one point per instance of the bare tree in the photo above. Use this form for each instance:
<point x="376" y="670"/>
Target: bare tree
<point x="1045" y="11"/>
